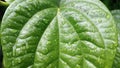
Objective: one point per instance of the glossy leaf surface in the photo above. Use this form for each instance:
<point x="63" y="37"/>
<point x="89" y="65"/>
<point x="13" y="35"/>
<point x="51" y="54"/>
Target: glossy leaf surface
<point x="9" y="1"/>
<point x="116" y="14"/>
<point x="58" y="34"/>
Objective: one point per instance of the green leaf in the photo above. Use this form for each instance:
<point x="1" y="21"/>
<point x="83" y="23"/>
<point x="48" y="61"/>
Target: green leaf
<point x="58" y="34"/>
<point x="116" y="14"/>
<point x="9" y="1"/>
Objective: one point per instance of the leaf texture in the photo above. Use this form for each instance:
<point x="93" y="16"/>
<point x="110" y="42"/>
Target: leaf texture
<point x="9" y="1"/>
<point x="58" y="34"/>
<point x="116" y="14"/>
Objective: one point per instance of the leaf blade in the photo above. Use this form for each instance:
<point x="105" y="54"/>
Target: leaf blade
<point x="116" y="15"/>
<point x="84" y="38"/>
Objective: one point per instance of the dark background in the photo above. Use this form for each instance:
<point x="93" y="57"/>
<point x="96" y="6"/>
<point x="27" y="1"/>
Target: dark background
<point x="112" y="4"/>
<point x="2" y="10"/>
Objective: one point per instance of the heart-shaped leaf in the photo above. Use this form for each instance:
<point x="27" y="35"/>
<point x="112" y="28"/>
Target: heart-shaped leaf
<point x="58" y="34"/>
